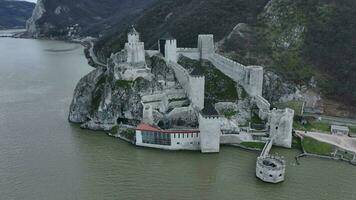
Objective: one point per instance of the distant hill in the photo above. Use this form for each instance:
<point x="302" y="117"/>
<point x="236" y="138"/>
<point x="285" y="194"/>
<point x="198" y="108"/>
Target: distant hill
<point x="94" y="17"/>
<point x="13" y="14"/>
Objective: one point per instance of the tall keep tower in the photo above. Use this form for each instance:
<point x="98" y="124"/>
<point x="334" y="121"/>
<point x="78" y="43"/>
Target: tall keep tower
<point x="134" y="48"/>
<point x="209" y="127"/>
<point x="168" y="47"/>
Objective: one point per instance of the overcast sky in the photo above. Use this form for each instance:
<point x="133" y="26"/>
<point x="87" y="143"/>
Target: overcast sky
<point x="34" y="1"/>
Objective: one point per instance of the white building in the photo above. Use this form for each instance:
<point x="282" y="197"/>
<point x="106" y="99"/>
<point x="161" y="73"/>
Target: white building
<point x="135" y="49"/>
<point x="149" y="136"/>
<point x="339" y="130"/>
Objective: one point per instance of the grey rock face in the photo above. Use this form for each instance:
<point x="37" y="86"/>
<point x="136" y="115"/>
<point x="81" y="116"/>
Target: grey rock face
<point x="37" y="13"/>
<point x="100" y="99"/>
<point x="83" y="96"/>
<point x="274" y="88"/>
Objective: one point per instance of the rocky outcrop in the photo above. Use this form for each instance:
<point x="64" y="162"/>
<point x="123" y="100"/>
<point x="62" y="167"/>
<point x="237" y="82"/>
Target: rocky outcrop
<point x="32" y="25"/>
<point x="102" y="98"/>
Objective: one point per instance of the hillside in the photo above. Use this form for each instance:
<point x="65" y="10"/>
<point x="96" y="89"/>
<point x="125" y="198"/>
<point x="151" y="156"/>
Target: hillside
<point x="51" y="18"/>
<point x="13" y="14"/>
<point x="306" y="42"/>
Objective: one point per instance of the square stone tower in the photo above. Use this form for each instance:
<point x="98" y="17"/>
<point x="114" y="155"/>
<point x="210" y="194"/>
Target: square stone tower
<point x="134" y="48"/>
<point x="168" y="48"/>
<point x="281" y="127"/>
<point x="210" y="131"/>
<point x="206" y="46"/>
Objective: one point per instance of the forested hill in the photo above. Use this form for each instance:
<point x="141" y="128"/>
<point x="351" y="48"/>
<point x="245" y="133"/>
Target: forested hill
<point x="51" y="18"/>
<point x="306" y="42"/>
<point x="301" y="40"/>
<point x="13" y="14"/>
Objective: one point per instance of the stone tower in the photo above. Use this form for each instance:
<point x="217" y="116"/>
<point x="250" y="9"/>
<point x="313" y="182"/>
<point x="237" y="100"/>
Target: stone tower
<point x="206" y="46"/>
<point x="134" y="48"/>
<point x="209" y="127"/>
<point x="254" y="80"/>
<point x="281" y="126"/>
<point x="168" y="47"/>
<point x="197" y="88"/>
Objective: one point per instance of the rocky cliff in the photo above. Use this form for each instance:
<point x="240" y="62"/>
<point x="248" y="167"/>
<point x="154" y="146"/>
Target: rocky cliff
<point x="102" y="98"/>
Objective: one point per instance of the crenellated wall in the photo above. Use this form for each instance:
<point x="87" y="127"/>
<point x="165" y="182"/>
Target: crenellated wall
<point x="250" y="77"/>
<point x="192" y="53"/>
<point x="193" y="85"/>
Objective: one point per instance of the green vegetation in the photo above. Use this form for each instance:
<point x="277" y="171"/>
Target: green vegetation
<point x="316" y="147"/>
<point x="296" y="143"/>
<point x="297" y="39"/>
<point x="217" y="85"/>
<point x="254" y="145"/>
<point x="297" y="106"/>
<point x="229" y="113"/>
<point x="255" y="119"/>
<point x="127" y="133"/>
<point x="123" y="84"/>
<point x="353" y="130"/>
<point x="312" y="125"/>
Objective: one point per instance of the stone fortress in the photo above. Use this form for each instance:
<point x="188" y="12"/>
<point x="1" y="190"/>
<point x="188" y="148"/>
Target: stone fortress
<point x="187" y="100"/>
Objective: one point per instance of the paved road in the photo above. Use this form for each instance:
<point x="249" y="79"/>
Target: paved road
<point x="334" y="120"/>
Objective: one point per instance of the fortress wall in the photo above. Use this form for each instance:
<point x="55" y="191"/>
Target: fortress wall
<point x="197" y="91"/>
<point x="182" y="75"/>
<point x="152" y="52"/>
<point x="263" y="106"/>
<point x="194" y="86"/>
<point x="192" y="53"/>
<point x="251" y="77"/>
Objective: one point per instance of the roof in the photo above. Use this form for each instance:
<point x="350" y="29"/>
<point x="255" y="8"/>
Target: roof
<point x="133" y="30"/>
<point x="209" y="109"/>
<point x="197" y="72"/>
<point x="166" y="36"/>
<point x="146" y="127"/>
<point x="343" y="128"/>
<point x="149" y="128"/>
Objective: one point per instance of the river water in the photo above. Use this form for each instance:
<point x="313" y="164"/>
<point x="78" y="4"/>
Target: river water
<point x="42" y="156"/>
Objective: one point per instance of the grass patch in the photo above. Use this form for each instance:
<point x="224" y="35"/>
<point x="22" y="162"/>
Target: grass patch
<point x="296" y="143"/>
<point x="218" y="86"/>
<point x="254" y="145"/>
<point x="230" y="113"/>
<point x="297" y="106"/>
<point x="316" y="147"/>
<point x="123" y="84"/>
<point x="255" y="119"/>
<point x="312" y="126"/>
<point x="127" y="133"/>
<point x="353" y="130"/>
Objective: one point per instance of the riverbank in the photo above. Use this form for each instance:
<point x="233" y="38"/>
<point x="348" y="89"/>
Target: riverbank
<point x="316" y="147"/>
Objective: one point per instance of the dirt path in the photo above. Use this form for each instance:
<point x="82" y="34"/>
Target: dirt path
<point x="343" y="142"/>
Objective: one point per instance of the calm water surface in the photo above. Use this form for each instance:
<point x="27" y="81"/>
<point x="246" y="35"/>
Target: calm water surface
<point x="42" y="156"/>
